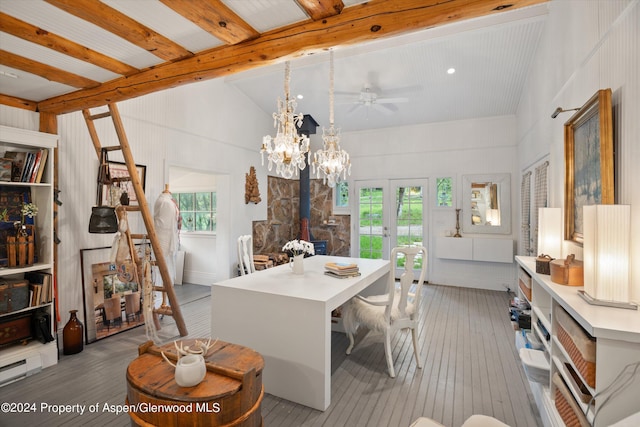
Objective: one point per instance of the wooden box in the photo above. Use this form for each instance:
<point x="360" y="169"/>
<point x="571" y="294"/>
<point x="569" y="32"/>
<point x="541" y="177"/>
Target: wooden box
<point x="15" y="328"/>
<point x="543" y="264"/>
<point x="14" y="295"/>
<point x="567" y="271"/>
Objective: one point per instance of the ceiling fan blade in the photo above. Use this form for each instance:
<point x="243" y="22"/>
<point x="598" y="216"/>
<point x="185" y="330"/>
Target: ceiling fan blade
<point x="355" y="106"/>
<point x="384" y="109"/>
<point x="391" y="100"/>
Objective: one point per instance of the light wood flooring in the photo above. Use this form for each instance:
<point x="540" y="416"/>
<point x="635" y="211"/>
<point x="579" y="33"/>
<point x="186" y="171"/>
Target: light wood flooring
<point x="470" y="366"/>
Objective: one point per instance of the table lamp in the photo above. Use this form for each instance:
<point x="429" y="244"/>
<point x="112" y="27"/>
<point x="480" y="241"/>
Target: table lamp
<point x="606" y="247"/>
<point x="550" y="232"/>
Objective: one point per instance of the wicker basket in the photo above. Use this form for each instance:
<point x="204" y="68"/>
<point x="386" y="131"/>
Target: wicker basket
<point x="580" y="346"/>
<point x="525" y="290"/>
<point x="567" y="407"/>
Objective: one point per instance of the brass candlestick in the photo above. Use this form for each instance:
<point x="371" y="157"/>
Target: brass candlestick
<point x="457" y="224"/>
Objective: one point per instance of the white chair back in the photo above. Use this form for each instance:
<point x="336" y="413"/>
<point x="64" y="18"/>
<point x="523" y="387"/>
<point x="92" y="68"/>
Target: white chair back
<point x="245" y="255"/>
<point x="407" y="278"/>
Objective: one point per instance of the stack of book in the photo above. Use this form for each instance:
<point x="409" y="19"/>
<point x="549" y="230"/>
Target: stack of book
<point x="341" y="270"/>
<point x="41" y="288"/>
<point x="25" y="166"/>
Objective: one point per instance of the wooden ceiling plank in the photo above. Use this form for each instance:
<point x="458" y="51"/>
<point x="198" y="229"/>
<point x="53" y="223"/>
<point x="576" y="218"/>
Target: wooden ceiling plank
<point x="46" y="71"/>
<point x="13" y="101"/>
<point x="121" y="25"/>
<point x="365" y="22"/>
<point x="42" y="37"/>
<point x="216" y="18"/>
<point x="320" y="9"/>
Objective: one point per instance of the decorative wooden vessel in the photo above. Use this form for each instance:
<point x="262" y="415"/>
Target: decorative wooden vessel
<point x="230" y="394"/>
<point x="567" y="271"/>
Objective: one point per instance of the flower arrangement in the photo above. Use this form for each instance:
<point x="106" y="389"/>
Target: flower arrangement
<point x="29" y="210"/>
<point x="299" y="247"/>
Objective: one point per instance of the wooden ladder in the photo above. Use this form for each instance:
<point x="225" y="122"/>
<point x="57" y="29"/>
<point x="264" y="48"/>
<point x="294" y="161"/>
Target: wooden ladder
<point x="143" y="207"/>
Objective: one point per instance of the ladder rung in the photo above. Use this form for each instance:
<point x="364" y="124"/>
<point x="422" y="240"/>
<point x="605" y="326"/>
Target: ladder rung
<point x="100" y="115"/>
<point x="166" y="311"/>
<point x="112" y="148"/>
<point x="158" y="288"/>
<point x="139" y="236"/>
<point x="131" y="208"/>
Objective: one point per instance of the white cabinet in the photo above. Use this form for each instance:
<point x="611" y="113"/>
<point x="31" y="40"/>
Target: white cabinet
<point x="475" y="249"/>
<point x="612" y="333"/>
<point x="18" y="360"/>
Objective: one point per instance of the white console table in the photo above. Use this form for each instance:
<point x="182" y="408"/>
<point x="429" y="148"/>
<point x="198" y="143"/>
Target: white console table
<point x="475" y="249"/>
<point x="287" y="319"/>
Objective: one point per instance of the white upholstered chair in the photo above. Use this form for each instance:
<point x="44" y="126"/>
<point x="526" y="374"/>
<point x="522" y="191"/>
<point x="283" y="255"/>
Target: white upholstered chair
<point x="398" y="309"/>
<point x="245" y="255"/>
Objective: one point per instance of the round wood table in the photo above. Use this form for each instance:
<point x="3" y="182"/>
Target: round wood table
<point x="230" y="394"/>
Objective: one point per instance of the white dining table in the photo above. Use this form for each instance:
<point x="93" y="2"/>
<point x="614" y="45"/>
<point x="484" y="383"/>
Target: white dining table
<point x="287" y="319"/>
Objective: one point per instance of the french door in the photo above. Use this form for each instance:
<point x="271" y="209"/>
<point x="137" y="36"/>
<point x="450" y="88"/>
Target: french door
<point x="390" y="213"/>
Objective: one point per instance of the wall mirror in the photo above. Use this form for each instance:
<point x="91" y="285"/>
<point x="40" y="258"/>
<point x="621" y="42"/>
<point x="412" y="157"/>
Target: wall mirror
<point x="486" y="203"/>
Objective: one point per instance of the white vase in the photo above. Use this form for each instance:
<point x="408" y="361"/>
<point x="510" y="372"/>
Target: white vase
<point x="190" y="370"/>
<point x="297" y="264"/>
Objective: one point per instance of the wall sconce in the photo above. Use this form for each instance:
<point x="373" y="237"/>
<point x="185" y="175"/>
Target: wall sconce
<point x="550" y="232"/>
<point x="607" y="277"/>
<point x="560" y="110"/>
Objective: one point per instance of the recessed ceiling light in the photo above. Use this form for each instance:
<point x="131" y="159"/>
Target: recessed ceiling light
<point x="451" y="70"/>
<point x="300" y="96"/>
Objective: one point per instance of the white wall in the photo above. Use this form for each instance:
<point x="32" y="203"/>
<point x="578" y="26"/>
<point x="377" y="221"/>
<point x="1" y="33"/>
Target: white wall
<point x="454" y="149"/>
<point x="587" y="46"/>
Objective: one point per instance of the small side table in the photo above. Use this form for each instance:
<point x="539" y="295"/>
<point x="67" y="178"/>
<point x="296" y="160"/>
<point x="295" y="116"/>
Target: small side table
<point x="230" y="394"/>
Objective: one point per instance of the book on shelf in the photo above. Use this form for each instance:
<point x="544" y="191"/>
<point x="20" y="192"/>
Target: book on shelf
<point x="27" y="166"/>
<point x="41" y="285"/>
<point x="6" y="169"/>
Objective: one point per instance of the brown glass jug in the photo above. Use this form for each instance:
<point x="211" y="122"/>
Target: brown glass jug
<point x="72" y="335"/>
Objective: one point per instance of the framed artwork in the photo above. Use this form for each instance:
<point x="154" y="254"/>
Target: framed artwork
<point x="104" y="283"/>
<point x="119" y="170"/>
<point x="588" y="157"/>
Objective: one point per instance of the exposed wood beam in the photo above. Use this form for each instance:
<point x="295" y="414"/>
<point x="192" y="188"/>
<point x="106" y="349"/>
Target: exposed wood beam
<point x="320" y="9"/>
<point x="24" y="104"/>
<point x="216" y="18"/>
<point x="43" y="70"/>
<point x="42" y="37"/>
<point x="365" y="22"/>
<point x="120" y="24"/>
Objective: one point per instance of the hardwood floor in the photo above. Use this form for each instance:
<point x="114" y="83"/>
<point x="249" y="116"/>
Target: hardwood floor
<point x="470" y="366"/>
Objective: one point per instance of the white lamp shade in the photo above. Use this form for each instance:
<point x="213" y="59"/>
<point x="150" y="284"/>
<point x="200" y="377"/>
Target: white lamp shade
<point x="606" y="252"/>
<point x="550" y="232"/>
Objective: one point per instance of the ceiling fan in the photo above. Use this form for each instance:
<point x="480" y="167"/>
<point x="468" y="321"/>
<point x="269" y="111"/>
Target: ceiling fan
<point x="370" y="99"/>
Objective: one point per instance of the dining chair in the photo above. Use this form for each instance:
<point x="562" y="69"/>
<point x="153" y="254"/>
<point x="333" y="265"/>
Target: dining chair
<point x="397" y="309"/>
<point x="245" y="255"/>
<point x="112" y="311"/>
<point x="132" y="306"/>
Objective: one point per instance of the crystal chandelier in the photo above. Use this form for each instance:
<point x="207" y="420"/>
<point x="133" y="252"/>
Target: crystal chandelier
<point x="287" y="150"/>
<point x="331" y="160"/>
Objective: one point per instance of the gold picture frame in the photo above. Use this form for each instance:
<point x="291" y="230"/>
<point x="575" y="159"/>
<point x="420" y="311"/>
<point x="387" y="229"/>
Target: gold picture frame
<point x="588" y="157"/>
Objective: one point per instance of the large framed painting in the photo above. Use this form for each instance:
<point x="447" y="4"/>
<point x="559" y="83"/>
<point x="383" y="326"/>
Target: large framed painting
<point x="588" y="148"/>
<point x="112" y="295"/>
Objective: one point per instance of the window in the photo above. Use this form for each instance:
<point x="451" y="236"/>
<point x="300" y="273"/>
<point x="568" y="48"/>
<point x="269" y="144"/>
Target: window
<point x="444" y="192"/>
<point x="341" y="198"/>
<point x="198" y="211"/>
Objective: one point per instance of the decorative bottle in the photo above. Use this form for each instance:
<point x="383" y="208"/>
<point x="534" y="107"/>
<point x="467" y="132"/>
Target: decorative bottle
<point x="72" y="335"/>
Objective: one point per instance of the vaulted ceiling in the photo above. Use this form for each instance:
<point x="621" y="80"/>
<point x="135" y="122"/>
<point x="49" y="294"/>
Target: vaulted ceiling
<point x="391" y="57"/>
